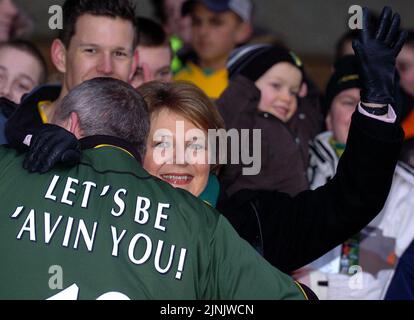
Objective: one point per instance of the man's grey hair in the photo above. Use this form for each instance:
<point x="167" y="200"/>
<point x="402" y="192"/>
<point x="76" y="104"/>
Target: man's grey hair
<point x="107" y="106"/>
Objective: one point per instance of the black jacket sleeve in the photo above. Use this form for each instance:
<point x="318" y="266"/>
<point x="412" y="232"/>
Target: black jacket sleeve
<point x="23" y="121"/>
<point x="295" y="231"/>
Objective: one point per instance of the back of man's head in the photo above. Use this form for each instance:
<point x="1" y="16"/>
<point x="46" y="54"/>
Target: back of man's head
<point x="110" y="107"/>
<point x="73" y="9"/>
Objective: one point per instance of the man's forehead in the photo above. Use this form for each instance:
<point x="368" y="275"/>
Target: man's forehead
<point x="154" y="53"/>
<point x="104" y="31"/>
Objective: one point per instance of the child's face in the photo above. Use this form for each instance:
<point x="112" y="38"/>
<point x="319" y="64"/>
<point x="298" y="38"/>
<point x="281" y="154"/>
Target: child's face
<point x="340" y="113"/>
<point x="20" y="72"/>
<point x="405" y="67"/>
<point x="215" y="35"/>
<point x="279" y="88"/>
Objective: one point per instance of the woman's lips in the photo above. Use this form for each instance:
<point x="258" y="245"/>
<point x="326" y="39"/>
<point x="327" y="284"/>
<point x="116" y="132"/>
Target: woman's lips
<point x="177" y="179"/>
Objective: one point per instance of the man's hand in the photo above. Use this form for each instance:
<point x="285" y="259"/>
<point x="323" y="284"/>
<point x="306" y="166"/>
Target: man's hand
<point x="142" y="75"/>
<point x="49" y="146"/>
<point x="377" y="50"/>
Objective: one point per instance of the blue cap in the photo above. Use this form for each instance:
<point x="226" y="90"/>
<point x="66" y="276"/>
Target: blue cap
<point x="243" y="8"/>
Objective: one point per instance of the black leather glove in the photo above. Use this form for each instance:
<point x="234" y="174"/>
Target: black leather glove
<point x="377" y="50"/>
<point x="49" y="146"/>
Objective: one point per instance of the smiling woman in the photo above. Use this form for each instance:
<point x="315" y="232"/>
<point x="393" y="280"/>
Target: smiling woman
<point x="288" y="231"/>
<point x="177" y="150"/>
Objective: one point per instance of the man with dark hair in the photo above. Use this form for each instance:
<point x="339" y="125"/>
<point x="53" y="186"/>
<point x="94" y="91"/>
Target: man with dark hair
<point x="114" y="231"/>
<point x="155" y="53"/>
<point x="74" y="9"/>
<point x="98" y="40"/>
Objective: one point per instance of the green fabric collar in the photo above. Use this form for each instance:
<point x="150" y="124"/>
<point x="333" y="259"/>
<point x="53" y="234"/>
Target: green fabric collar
<point x="338" y="147"/>
<point x="211" y="192"/>
<point x="208" y="71"/>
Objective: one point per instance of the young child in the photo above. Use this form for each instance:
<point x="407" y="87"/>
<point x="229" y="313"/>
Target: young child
<point x="263" y="94"/>
<point x="155" y="54"/>
<point x="22" y="67"/>
<point x="217" y="28"/>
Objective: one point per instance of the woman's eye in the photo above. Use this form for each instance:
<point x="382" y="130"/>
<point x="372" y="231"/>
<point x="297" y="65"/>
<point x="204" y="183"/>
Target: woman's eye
<point x="196" y="146"/>
<point x="163" y="144"/>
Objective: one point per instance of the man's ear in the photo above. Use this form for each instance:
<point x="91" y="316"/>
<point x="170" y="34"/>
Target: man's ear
<point x="58" y="55"/>
<point x="74" y="125"/>
<point x="244" y="32"/>
<point x="134" y="65"/>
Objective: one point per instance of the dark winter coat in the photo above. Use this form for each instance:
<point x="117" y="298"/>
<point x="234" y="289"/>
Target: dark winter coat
<point x="293" y="231"/>
<point x="283" y="160"/>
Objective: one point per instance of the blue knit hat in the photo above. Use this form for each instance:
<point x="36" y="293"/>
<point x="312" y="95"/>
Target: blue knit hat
<point x="345" y="77"/>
